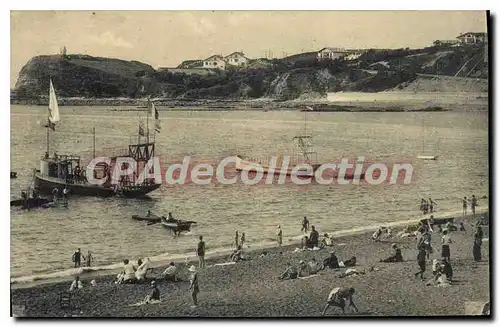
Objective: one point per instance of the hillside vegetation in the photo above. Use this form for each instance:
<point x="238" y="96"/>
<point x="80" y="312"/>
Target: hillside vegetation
<point x="293" y="77"/>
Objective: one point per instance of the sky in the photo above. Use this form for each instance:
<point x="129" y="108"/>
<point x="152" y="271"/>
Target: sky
<point x="166" y="38"/>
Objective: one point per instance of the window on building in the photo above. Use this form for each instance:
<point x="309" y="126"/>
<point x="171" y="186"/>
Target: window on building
<point x="235" y="59"/>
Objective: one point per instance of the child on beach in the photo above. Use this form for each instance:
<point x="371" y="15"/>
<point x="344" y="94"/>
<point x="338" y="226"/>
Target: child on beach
<point x="331" y="262"/>
<point x="200" y="251"/>
<point x="305" y="225"/>
<point x="193" y="286"/>
<point x="90" y="258"/>
<point x="169" y="274"/>
<point x="155" y="294"/>
<point x="338" y="297"/>
<point x="376" y="235"/>
<point x="445" y="247"/>
<point x="142" y="270"/>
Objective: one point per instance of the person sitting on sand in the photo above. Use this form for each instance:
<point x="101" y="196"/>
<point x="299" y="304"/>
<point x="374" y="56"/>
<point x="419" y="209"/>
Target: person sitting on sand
<point x="128" y="272"/>
<point x="351" y="272"/>
<point x="155" y="294"/>
<point x="326" y="241"/>
<point x="289" y="273"/>
<point x="305" y="244"/>
<point x="170" y="274"/>
<point x="76" y="284"/>
<point x="314" y="237"/>
<point x="331" y="262"/>
<point x="351" y="262"/>
<point x="237" y="255"/>
<point x="142" y="270"/>
<point x="302" y="268"/>
<point x="461" y="227"/>
<point x="313" y="266"/>
<point x="396" y="256"/>
<point x="338" y="297"/>
<point x="377" y="234"/>
<point x="388" y="232"/>
<point x="436" y="268"/>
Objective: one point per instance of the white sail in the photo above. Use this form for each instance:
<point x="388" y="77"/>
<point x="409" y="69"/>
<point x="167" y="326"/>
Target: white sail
<point x="53" y="106"/>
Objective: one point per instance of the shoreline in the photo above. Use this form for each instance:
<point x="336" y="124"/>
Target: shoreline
<point x="267" y="104"/>
<point x="24" y="282"/>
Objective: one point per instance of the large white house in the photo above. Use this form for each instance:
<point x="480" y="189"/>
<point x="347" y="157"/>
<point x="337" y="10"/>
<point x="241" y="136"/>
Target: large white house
<point x="236" y="59"/>
<point x="472" y="38"/>
<point x="214" y="62"/>
<point x="331" y="53"/>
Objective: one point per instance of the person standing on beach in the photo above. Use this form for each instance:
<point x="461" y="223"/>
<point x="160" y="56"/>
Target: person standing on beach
<point x="431" y="205"/>
<point x="314" y="237"/>
<point x="279" y="236"/>
<point x="305" y="225"/>
<point x="200" y="251"/>
<point x="236" y="240"/>
<point x="90" y="258"/>
<point x="476" y="248"/>
<point x="445" y="247"/>
<point x="77" y="258"/>
<point x="464" y="206"/>
<point x="242" y="242"/>
<point x="473" y="205"/>
<point x="193" y="285"/>
<point x="421" y="256"/>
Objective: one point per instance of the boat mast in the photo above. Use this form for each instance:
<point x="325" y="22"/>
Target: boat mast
<point x="148" y="109"/>
<point x="48" y="135"/>
<point x="93" y="142"/>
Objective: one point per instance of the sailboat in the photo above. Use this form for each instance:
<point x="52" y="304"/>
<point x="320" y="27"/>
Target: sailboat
<point x="64" y="170"/>
<point x="425" y="157"/>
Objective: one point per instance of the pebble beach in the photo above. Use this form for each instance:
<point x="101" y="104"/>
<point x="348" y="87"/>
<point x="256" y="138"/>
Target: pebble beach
<point x="252" y="288"/>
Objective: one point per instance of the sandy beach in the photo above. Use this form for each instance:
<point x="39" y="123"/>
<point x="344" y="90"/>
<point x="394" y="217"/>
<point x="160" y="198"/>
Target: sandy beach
<point x="252" y="288"/>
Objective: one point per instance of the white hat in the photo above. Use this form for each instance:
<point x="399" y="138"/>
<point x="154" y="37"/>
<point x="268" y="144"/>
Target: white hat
<point x="192" y="269"/>
<point x="93" y="282"/>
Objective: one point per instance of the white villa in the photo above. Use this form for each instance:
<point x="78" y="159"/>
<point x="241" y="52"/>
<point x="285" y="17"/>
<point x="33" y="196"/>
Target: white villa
<point x="472" y="38"/>
<point x="236" y="59"/>
<point x="214" y="62"/>
<point x="336" y="53"/>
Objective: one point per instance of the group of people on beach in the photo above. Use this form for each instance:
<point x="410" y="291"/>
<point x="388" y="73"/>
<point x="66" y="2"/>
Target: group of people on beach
<point x="427" y="206"/>
<point x="473" y="205"/>
<point x="78" y="256"/>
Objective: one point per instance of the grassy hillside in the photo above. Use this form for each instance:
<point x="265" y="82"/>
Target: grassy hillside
<point x="282" y="79"/>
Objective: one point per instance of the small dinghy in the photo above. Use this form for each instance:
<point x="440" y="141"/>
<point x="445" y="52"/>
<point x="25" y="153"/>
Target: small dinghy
<point x="151" y="218"/>
<point x="30" y="202"/>
<point x="177" y="225"/>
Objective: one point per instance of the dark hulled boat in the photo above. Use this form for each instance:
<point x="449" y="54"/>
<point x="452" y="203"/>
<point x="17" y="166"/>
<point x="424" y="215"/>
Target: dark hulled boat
<point x="64" y="171"/>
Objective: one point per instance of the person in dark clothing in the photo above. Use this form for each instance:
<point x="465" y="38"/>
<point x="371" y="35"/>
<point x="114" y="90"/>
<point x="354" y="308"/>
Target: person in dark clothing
<point x="306" y="243"/>
<point x="461" y="227"/>
<point x="200" y="251"/>
<point x="305" y="225"/>
<point x="396" y="256"/>
<point x="77" y="258"/>
<point x="479" y="232"/>
<point x="464" y="206"/>
<point x="155" y="293"/>
<point x="473" y="204"/>
<point x="331" y="262"/>
<point x="314" y="237"/>
<point x="447" y="269"/>
<point x="431" y="205"/>
<point x="421" y="256"/>
<point x="476" y="248"/>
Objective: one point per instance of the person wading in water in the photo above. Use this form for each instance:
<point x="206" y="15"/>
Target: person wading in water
<point x="77" y="258"/>
<point x="305" y="225"/>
